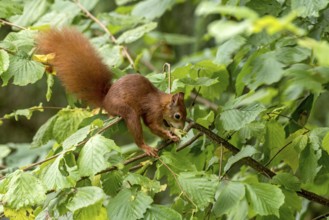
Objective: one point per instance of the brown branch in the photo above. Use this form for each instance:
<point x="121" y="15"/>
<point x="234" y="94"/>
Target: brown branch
<point x="113" y="39"/>
<point x="256" y="165"/>
<point x="144" y="155"/>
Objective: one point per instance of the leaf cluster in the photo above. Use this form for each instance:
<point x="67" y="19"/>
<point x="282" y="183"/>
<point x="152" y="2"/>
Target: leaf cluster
<point x="253" y="71"/>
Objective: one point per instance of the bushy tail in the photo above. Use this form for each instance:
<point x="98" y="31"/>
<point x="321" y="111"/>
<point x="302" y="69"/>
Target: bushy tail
<point x="77" y="64"/>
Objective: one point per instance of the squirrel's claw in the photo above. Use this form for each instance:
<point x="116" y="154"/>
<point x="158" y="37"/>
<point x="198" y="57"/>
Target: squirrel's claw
<point x="150" y="151"/>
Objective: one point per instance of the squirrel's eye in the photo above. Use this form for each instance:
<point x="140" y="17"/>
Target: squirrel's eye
<point x="177" y="116"/>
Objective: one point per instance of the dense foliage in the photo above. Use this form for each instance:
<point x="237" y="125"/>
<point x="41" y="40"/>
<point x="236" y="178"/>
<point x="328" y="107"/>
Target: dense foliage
<point x="255" y="72"/>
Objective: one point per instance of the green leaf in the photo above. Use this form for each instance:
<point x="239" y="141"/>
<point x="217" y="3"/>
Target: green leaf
<point x="61" y="13"/>
<point x="308" y="164"/>
<point x="274" y="137"/>
<point x="207" y="120"/>
<point x="161" y="212"/>
<point x="230" y="194"/>
<point x="96" y="211"/>
<point x="177" y="163"/>
<point x="302" y="79"/>
<point x="120" y="22"/>
<point x="21" y="42"/>
<point x="44" y="134"/>
<point x="21" y="214"/>
<point x="122" y="2"/>
<point x="265" y="7"/>
<point x="200" y="188"/>
<point x="236" y="118"/>
<point x="128" y="205"/>
<point x="320" y="49"/>
<point x="206" y="8"/>
<point x="23" y="70"/>
<point x="254" y="129"/>
<point x="32" y="11"/>
<point x="306" y="8"/>
<point x="67" y="122"/>
<point x="24" y="190"/>
<point x="291" y="55"/>
<point x="292" y="200"/>
<point x="4" y="60"/>
<point x="202" y="81"/>
<point x="52" y="176"/>
<point x="173" y="39"/>
<point x="22" y="155"/>
<point x="245" y="71"/>
<point x="147" y="184"/>
<point x="207" y="68"/>
<point x="112" y="182"/>
<point x="112" y="55"/>
<point x="27" y="113"/>
<point x="287" y="180"/>
<point x="93" y="156"/>
<point x="136" y="33"/>
<point x="9" y="8"/>
<point x="4" y="152"/>
<point x="247" y="151"/>
<point x="290" y="154"/>
<point x="325" y="143"/>
<point x="266" y="69"/>
<point x="227" y="49"/>
<point x="232" y="29"/>
<point x="159" y="80"/>
<point x="76" y="137"/>
<point x="84" y="197"/>
<point x="265" y="199"/>
<point x="316" y="137"/>
<point x="151" y="9"/>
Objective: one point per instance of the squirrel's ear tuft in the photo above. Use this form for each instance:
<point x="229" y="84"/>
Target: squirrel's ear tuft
<point x="177" y="97"/>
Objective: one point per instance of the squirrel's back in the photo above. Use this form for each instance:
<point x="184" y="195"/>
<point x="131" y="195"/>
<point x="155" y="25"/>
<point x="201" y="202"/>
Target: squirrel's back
<point x="77" y="64"/>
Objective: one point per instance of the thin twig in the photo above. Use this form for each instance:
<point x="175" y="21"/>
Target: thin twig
<point x="221" y="162"/>
<point x="204" y="101"/>
<point x="189" y="142"/>
<point x="12" y="24"/>
<point x="113" y="39"/>
<point x="33" y="108"/>
<point x="176" y="180"/>
<point x="281" y="149"/>
<point x="324" y="216"/>
<point x="195" y="97"/>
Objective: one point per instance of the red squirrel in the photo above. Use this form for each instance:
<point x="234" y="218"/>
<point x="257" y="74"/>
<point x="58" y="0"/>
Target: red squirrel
<point x="83" y="73"/>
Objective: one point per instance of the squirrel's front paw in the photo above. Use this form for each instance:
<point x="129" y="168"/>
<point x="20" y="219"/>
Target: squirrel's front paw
<point x="173" y="137"/>
<point x="150" y="151"/>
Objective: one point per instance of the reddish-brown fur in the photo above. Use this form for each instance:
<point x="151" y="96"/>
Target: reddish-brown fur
<point x="132" y="97"/>
<point x="77" y="64"/>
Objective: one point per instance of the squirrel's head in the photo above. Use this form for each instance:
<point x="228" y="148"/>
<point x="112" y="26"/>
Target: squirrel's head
<point x="175" y="112"/>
